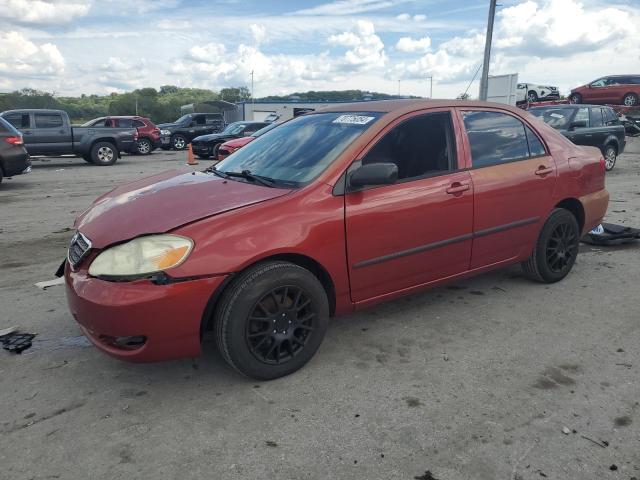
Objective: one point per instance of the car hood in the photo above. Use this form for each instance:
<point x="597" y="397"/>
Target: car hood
<point x="163" y="202"/>
<point x="239" y="142"/>
<point x="167" y="125"/>
<point x="213" y="136"/>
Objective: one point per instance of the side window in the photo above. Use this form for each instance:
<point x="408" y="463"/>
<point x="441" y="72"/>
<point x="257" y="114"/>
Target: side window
<point x="610" y="117"/>
<point x="582" y="115"/>
<point x="595" y="117"/>
<point x="536" y="148"/>
<point x="212" y="120"/>
<point x="19" y="120"/>
<point x="199" y="120"/>
<point x="495" y="138"/>
<point x="48" y="120"/>
<point x="420" y="146"/>
<point x="125" y="123"/>
<point x="599" y="83"/>
<point x="138" y="124"/>
<point x="634" y="80"/>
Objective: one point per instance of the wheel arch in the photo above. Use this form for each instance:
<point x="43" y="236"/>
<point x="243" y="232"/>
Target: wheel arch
<point x="107" y="140"/>
<point x="576" y="208"/>
<point x="611" y="140"/>
<point x="301" y="260"/>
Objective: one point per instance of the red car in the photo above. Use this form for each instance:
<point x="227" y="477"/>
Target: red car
<point x="227" y="148"/>
<point x="615" y="90"/>
<point x="329" y="213"/>
<point x="148" y="133"/>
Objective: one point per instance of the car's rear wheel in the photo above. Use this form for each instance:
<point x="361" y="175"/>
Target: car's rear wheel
<point x="179" y="142"/>
<point x="575" y="98"/>
<point x="144" y="146"/>
<point x="532" y="96"/>
<point x="271" y="320"/>
<point x="630" y="100"/>
<point x="556" y="250"/>
<point x="103" y="153"/>
<point x="610" y="157"/>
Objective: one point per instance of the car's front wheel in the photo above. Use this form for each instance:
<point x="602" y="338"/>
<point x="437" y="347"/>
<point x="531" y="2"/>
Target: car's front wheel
<point x="179" y="142"/>
<point x="271" y="320"/>
<point x="630" y="100"/>
<point x="575" y="98"/>
<point x="556" y="250"/>
<point x="532" y="96"/>
<point x="610" y="157"/>
<point x="144" y="146"/>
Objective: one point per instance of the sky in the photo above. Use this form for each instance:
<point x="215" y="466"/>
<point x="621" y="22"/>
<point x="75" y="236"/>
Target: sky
<point x="97" y="47"/>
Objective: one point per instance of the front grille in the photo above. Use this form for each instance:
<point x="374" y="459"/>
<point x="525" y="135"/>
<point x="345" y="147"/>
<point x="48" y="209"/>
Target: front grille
<point x="78" y="249"/>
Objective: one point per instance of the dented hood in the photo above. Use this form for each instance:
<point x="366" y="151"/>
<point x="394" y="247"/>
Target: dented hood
<point x="163" y="202"/>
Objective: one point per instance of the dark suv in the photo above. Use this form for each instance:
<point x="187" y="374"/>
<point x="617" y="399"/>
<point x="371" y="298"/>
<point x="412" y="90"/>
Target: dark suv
<point x="14" y="158"/>
<point x="180" y="133"/>
<point x="591" y="125"/>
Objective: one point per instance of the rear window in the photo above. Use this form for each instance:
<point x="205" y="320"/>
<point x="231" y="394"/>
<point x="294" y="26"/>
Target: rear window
<point x="138" y="124"/>
<point x="19" y="120"/>
<point x="48" y="120"/>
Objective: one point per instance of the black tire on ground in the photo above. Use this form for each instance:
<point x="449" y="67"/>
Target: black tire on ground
<point x="271" y="295"/>
<point x="575" y="98"/>
<point x="144" y="146"/>
<point x="87" y="158"/>
<point x="556" y="250"/>
<point x="214" y="151"/>
<point x="630" y="100"/>
<point x="1" y="174"/>
<point x="104" y="153"/>
<point x="179" y="142"/>
<point x="204" y="156"/>
<point x="532" y="96"/>
<point x="610" y="156"/>
<point x="165" y="147"/>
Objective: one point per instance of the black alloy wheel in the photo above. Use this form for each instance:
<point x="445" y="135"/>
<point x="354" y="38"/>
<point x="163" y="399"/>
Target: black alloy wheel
<point x="562" y="248"/>
<point x="280" y="325"/>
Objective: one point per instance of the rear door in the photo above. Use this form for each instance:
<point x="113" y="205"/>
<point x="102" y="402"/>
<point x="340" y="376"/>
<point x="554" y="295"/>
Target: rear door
<point x="52" y="136"/>
<point x="513" y="180"/>
<point x="213" y="123"/>
<point x="417" y="230"/>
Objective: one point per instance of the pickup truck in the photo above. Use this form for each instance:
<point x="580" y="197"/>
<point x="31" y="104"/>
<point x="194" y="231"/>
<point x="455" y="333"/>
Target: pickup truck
<point x="49" y="132"/>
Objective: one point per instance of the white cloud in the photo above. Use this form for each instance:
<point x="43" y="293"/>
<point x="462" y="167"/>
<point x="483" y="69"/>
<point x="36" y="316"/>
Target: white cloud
<point x="408" y="44"/>
<point x="166" y="24"/>
<point x="365" y="48"/>
<point x="20" y="57"/>
<point x="403" y="17"/>
<point x="208" y="53"/>
<point x="419" y="18"/>
<point x="259" y="32"/>
<point x="117" y="74"/>
<point x="349" y="7"/>
<point x="44" y="12"/>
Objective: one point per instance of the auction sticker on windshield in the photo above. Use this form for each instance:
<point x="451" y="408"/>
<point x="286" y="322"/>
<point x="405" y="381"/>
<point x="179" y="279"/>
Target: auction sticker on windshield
<point x="353" y="119"/>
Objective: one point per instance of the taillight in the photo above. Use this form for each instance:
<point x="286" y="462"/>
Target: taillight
<point x="603" y="166"/>
<point x="135" y="135"/>
<point x="14" y="140"/>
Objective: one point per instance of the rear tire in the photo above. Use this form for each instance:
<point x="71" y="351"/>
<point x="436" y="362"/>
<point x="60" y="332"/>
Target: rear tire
<point x="144" y="146"/>
<point x="630" y="100"/>
<point x="271" y="320"/>
<point x="575" y="98"/>
<point x="556" y="250"/>
<point x="610" y="156"/>
<point x="103" y="154"/>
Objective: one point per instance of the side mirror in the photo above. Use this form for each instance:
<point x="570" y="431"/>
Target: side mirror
<point x="374" y="174"/>
<point x="578" y="124"/>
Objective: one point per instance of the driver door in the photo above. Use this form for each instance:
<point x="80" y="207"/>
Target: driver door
<point x="419" y="229"/>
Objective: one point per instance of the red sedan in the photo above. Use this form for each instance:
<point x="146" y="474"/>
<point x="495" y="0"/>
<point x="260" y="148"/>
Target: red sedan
<point x="328" y="213"/>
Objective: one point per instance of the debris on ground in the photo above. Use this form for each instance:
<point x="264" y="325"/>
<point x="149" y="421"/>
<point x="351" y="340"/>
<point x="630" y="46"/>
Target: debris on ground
<point x="566" y="430"/>
<point x="427" y="476"/>
<point x="611" y="234"/>
<point x="50" y="283"/>
<point x="7" y="331"/>
<point x="601" y="443"/>
<point x="16" y="342"/>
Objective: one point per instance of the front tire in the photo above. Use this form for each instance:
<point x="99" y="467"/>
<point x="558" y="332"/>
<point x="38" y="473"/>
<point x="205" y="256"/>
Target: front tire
<point x="271" y="320"/>
<point x="144" y="146"/>
<point x="575" y="98"/>
<point x="556" y="250"/>
<point x="179" y="142"/>
<point x="630" y="100"/>
<point x="610" y="157"/>
<point x="103" y="154"/>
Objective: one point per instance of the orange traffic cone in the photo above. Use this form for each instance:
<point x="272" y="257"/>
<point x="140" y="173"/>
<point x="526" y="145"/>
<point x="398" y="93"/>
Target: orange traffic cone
<point x="190" y="158"/>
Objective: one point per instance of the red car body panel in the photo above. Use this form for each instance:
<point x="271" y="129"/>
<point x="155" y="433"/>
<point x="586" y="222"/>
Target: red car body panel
<point x="372" y="245"/>
<point x="227" y="148"/>
<point x="149" y="130"/>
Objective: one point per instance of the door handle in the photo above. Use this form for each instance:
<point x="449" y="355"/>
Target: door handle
<point x="542" y="170"/>
<point x="26" y="132"/>
<point x="457" y="187"/>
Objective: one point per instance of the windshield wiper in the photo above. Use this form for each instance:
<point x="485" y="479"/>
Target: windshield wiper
<point x="267" y="182"/>
<point x="217" y="172"/>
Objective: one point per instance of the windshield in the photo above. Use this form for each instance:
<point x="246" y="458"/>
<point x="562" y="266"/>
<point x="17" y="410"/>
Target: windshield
<point x="234" y="128"/>
<point x="264" y="130"/>
<point x="184" y="118"/>
<point x="298" y="151"/>
<point x="557" y="118"/>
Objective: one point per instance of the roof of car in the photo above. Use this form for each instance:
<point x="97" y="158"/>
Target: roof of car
<point x="567" y="105"/>
<point x="410" y="105"/>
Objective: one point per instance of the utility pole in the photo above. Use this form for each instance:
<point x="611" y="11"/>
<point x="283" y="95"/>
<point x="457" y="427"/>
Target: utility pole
<point x="252" y="97"/>
<point x="136" y="106"/>
<point x="484" y="80"/>
<point x="398" y="87"/>
<point x="430" y="77"/>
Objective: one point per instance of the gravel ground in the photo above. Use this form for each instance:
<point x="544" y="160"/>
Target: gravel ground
<point x="473" y="381"/>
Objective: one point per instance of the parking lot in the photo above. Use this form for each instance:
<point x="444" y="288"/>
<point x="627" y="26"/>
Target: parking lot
<point x="476" y="380"/>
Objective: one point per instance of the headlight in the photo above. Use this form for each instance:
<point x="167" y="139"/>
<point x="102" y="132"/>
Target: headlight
<point x="142" y="255"/>
<point x="165" y="132"/>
